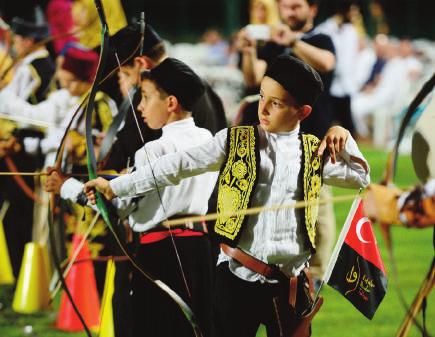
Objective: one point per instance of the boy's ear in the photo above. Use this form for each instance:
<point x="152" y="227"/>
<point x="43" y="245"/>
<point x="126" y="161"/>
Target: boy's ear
<point x="143" y="62"/>
<point x="304" y="111"/>
<point x="173" y="104"/>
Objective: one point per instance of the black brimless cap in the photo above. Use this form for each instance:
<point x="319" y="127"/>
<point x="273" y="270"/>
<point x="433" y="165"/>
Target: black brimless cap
<point x="128" y="39"/>
<point x="299" y="79"/>
<point x="178" y="79"/>
<point x="29" y="29"/>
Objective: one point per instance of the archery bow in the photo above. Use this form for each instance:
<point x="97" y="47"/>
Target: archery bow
<point x="389" y="175"/>
<point x="92" y="166"/>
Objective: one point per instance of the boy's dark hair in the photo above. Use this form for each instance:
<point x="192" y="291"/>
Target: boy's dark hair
<point x="126" y="43"/>
<point x="310" y="2"/>
<point x="155" y="53"/>
<point x="146" y="75"/>
<point x="29" y="30"/>
<point x="299" y="79"/>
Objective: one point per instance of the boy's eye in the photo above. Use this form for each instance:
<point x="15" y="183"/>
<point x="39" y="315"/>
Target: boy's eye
<point x="276" y="104"/>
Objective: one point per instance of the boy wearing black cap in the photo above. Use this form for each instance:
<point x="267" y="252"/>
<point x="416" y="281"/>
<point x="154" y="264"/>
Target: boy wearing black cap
<point x="272" y="164"/>
<point x="169" y="91"/>
<point x="32" y="78"/>
<point x="127" y="44"/>
<point x="208" y="112"/>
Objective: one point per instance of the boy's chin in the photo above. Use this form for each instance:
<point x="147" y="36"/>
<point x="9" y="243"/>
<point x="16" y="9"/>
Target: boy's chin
<point x="273" y="129"/>
<point x="268" y="128"/>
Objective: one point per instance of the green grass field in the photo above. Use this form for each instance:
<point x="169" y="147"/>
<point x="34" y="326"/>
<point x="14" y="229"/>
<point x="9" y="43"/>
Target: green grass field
<point x="338" y="318"/>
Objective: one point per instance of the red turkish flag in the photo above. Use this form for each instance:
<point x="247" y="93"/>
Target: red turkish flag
<point x="357" y="270"/>
<point x="362" y="239"/>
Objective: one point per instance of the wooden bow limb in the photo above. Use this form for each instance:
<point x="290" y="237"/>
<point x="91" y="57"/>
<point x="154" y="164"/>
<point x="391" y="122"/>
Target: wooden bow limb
<point x="389" y="174"/>
<point x="416" y="306"/>
<point x="256" y="210"/>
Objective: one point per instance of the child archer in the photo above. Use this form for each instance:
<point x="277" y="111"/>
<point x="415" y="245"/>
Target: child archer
<point x="260" y="166"/>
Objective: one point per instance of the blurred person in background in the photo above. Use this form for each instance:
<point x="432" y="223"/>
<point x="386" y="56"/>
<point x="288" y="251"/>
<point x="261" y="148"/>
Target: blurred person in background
<point x="263" y="12"/>
<point x="35" y="69"/>
<point x="364" y="61"/>
<point x="59" y="18"/>
<point x="413" y="65"/>
<point x="217" y="47"/>
<point x="30" y="83"/>
<point x="346" y="42"/>
<point x="75" y="73"/>
<point x="385" y="94"/>
<point x="380" y="48"/>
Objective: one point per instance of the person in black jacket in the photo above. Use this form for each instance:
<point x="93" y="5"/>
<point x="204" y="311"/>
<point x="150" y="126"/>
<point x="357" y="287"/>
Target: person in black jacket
<point x="208" y="112"/>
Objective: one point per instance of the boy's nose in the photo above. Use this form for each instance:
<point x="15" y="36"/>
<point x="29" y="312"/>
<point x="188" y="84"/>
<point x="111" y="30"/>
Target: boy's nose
<point x="263" y="109"/>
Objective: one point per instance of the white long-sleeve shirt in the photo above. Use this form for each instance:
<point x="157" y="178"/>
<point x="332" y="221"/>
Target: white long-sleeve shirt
<point x="57" y="111"/>
<point x="189" y="197"/>
<point x="54" y="111"/>
<point x="346" y="43"/>
<point x="273" y="237"/>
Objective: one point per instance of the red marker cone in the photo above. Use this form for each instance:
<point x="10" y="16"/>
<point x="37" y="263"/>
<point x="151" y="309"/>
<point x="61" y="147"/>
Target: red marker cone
<point x="82" y="285"/>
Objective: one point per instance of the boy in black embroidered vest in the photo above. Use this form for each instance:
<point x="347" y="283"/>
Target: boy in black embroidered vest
<point x="271" y="164"/>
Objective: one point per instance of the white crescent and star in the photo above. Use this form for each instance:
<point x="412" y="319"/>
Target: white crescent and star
<point x="359" y="225"/>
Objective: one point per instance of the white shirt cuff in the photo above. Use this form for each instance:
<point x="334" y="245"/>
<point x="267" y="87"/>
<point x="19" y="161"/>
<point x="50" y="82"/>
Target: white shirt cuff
<point x="31" y="145"/>
<point x="70" y="190"/>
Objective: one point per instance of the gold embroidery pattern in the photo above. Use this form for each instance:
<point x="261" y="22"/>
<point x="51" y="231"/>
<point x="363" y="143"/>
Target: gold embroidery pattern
<point x="312" y="183"/>
<point x="236" y="180"/>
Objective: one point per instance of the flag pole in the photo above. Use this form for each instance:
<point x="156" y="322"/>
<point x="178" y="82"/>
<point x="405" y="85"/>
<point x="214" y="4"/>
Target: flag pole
<point x="337" y="247"/>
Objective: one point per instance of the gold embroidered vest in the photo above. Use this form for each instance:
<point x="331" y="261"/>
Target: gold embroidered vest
<point x="312" y="180"/>
<point x="239" y="175"/>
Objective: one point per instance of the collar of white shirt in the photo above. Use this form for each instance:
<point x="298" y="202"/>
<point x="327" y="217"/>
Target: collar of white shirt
<point x="181" y="124"/>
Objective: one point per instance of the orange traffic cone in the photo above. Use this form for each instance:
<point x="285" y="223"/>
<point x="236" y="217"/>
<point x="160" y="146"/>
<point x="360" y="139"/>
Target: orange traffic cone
<point x="32" y="294"/>
<point x="82" y="285"/>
